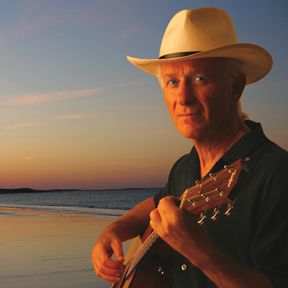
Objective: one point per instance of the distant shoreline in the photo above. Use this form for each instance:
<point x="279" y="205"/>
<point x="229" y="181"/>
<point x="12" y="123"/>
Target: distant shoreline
<point x="31" y="190"/>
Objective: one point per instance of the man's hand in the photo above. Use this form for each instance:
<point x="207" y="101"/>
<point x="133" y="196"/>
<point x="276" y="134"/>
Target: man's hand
<point x="181" y="231"/>
<point x="105" y="266"/>
<point x="131" y="224"/>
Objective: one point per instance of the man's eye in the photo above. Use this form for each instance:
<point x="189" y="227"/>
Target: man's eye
<point x="200" y="78"/>
<point x="172" y="82"/>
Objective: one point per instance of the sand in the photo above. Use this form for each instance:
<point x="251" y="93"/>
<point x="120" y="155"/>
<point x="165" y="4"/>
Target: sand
<point x="48" y="249"/>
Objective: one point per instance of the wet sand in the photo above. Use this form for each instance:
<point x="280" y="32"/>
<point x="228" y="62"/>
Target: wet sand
<point x="45" y="249"/>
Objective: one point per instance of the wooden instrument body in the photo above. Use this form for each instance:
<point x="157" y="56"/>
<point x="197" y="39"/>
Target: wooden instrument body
<point x="155" y="267"/>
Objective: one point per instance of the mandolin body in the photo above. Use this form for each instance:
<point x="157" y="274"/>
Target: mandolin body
<point x="154" y="271"/>
<point x="151" y="264"/>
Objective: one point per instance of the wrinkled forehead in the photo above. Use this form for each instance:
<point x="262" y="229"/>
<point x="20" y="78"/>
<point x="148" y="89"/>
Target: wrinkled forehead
<point x="205" y="65"/>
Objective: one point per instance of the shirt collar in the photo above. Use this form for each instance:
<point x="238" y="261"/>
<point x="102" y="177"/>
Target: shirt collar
<point x="245" y="147"/>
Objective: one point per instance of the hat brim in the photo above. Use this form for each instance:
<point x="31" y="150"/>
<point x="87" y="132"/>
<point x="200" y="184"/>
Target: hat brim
<point x="256" y="61"/>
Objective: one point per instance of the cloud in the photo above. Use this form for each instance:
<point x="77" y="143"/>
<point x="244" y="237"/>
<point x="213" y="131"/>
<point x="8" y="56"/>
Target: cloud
<point x="73" y="117"/>
<point x="29" y="158"/>
<point x="51" y="97"/>
<point x="25" y="26"/>
<point x="18" y="126"/>
<point x="36" y="16"/>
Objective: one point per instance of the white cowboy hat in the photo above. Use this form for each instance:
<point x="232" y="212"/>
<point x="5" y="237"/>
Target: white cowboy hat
<point x="203" y="33"/>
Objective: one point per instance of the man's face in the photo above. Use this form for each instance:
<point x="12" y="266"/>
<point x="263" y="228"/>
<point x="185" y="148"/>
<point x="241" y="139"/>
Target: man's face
<point x="198" y="97"/>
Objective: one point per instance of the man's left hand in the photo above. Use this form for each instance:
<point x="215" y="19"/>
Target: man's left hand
<point x="181" y="231"/>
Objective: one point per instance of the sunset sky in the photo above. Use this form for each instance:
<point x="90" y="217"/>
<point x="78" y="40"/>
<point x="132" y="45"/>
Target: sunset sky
<point x="75" y="114"/>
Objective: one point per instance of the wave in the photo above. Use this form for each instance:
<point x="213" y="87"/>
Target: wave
<point x="70" y="209"/>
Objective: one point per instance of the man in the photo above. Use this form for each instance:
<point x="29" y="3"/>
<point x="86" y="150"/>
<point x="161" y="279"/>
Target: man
<point x="202" y="70"/>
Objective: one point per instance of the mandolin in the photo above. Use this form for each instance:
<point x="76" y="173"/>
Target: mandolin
<point x="151" y="263"/>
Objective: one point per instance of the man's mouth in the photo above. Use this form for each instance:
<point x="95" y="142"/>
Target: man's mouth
<point x="190" y="114"/>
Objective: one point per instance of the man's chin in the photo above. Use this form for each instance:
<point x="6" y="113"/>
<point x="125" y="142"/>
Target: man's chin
<point x="191" y="134"/>
<point x="191" y="129"/>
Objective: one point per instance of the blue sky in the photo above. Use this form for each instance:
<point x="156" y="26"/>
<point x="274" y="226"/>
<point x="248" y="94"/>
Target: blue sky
<point x="75" y="113"/>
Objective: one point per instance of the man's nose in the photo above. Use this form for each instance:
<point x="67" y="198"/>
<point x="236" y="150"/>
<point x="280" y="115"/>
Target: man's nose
<point x="185" y="95"/>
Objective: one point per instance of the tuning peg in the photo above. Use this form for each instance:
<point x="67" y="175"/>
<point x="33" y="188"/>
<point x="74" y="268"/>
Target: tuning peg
<point x="212" y="177"/>
<point x="228" y="209"/>
<point x="219" y="191"/>
<point x="229" y="169"/>
<point x="202" y="218"/>
<point x="215" y="214"/>
<point x="192" y="202"/>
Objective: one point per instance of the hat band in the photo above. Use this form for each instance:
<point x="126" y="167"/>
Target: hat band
<point x="179" y="54"/>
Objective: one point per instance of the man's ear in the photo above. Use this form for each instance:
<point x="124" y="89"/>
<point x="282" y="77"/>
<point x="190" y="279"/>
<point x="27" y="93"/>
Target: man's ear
<point x="238" y="87"/>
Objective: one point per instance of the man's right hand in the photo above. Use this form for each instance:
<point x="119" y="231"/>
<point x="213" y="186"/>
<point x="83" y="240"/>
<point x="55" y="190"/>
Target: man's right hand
<point x="107" y="267"/>
<point x="107" y="254"/>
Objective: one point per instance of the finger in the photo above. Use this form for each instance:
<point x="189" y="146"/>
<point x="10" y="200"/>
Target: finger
<point x="104" y="258"/>
<point x="173" y="198"/>
<point x="168" y="204"/>
<point x="108" y="277"/>
<point x="102" y="270"/>
<point x="155" y="219"/>
<point x="106" y="273"/>
<point x="117" y="248"/>
<point x="168" y="209"/>
<point x="111" y="263"/>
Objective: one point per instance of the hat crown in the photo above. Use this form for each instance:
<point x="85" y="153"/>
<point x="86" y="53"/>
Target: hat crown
<point x="198" y="30"/>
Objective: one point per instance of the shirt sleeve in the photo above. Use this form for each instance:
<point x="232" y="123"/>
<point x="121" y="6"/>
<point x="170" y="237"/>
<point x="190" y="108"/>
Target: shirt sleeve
<point x="269" y="249"/>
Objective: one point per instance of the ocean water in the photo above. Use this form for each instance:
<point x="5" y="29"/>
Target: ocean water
<point x="98" y="202"/>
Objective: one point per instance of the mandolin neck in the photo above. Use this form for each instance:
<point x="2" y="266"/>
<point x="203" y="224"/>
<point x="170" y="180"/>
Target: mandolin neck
<point x="144" y="248"/>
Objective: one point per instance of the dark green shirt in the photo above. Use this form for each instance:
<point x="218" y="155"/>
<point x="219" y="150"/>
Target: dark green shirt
<point x="256" y="233"/>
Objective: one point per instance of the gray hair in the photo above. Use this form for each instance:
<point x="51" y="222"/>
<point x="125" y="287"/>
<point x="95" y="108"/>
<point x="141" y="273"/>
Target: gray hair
<point x="232" y="69"/>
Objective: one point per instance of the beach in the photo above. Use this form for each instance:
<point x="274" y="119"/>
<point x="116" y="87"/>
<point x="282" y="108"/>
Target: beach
<point x="48" y="249"/>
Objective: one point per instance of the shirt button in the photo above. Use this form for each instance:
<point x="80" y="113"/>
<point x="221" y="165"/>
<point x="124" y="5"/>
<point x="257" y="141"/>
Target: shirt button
<point x="183" y="267"/>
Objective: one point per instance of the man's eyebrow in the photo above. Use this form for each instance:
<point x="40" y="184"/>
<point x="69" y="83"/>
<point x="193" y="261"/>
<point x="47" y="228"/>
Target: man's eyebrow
<point x="168" y="75"/>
